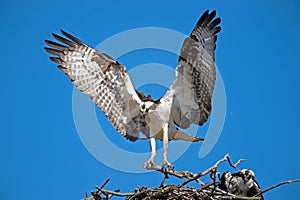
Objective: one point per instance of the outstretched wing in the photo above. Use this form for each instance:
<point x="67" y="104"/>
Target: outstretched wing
<point x="103" y="79"/>
<point x="196" y="73"/>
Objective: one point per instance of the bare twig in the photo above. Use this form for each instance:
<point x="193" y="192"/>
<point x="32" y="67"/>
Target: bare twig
<point x="226" y="157"/>
<point x="277" y="185"/>
<point x="213" y="176"/>
<point x="195" y="177"/>
<point x="209" y="191"/>
<point x="107" y="180"/>
<point x="238" y="198"/>
<point x="119" y="194"/>
<point x="236" y="164"/>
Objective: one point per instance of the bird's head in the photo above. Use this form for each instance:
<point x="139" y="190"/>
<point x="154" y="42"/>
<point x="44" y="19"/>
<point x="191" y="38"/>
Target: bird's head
<point x="247" y="175"/>
<point x="145" y="106"/>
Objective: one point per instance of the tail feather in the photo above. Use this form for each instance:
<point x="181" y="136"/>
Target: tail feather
<point x="178" y="135"/>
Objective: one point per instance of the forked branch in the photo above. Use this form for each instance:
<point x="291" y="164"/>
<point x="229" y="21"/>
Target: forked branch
<point x="205" y="191"/>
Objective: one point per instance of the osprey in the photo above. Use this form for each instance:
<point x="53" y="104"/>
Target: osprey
<point x="105" y="80"/>
<point x="241" y="183"/>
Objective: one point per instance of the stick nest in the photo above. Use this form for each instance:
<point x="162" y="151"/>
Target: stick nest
<point x="206" y="191"/>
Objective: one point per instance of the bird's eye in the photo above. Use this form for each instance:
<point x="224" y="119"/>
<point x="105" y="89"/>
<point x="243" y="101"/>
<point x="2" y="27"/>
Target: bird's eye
<point x="143" y="106"/>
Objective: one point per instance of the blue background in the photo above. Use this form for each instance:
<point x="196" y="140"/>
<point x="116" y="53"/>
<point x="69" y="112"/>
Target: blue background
<point x="257" y="54"/>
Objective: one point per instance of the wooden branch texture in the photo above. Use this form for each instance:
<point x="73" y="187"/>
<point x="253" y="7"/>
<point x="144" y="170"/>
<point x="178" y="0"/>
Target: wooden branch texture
<point x="206" y="191"/>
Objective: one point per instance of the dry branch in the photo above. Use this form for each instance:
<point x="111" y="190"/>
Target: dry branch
<point x="277" y="185"/>
<point x="206" y="191"/>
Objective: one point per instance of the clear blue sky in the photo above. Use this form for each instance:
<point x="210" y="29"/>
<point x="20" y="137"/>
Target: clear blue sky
<point x="258" y="53"/>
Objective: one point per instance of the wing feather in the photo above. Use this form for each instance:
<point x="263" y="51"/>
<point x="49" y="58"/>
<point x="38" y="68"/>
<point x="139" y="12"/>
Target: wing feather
<point x="196" y="74"/>
<point x="103" y="79"/>
<point x="56" y="45"/>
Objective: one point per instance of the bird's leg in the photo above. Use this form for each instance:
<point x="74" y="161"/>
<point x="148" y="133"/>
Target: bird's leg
<point x="165" y="144"/>
<point x="150" y="163"/>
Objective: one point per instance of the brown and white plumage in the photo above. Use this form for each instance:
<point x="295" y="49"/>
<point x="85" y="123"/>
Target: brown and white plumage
<point x="103" y="79"/>
<point x="196" y="73"/>
<point x="241" y="184"/>
<point x="188" y="101"/>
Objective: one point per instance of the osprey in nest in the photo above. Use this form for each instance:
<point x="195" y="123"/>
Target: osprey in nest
<point x="105" y="80"/>
<point x="242" y="184"/>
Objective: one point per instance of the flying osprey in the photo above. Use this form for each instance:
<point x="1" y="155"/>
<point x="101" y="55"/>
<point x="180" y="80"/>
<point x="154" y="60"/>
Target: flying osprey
<point x="105" y="80"/>
<point x="241" y="183"/>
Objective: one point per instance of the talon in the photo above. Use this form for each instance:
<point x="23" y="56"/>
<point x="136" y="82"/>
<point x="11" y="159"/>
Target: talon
<point x="151" y="165"/>
<point x="168" y="165"/>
